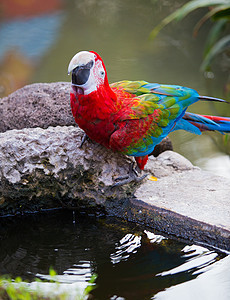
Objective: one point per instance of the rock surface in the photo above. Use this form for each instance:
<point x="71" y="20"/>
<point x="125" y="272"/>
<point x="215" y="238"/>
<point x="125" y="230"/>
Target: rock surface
<point x="45" y="168"/>
<point x="38" y="167"/>
<point x="37" y="105"/>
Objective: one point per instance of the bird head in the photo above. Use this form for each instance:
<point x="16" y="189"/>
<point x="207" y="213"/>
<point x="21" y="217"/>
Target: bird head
<point x="88" y="72"/>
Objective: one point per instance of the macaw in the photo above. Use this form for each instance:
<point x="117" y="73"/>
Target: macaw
<point x="132" y="117"/>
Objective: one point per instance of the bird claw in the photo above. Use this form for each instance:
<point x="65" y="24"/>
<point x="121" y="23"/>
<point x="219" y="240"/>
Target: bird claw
<point x="84" y="138"/>
<point x="132" y="176"/>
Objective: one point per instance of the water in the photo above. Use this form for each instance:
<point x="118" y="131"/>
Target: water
<point x="131" y="263"/>
<point x="38" y="39"/>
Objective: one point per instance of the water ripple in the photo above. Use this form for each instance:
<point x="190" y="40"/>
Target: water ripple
<point x="199" y="257"/>
<point x="80" y="272"/>
<point x="126" y="246"/>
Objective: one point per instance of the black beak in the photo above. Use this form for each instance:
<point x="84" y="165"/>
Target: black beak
<point x="80" y="75"/>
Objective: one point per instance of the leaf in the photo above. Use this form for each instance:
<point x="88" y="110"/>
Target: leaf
<point x="226" y="139"/>
<point x="18" y="279"/>
<point x="195" y="4"/>
<point x="218" y="47"/>
<point x="223" y="13"/>
<point x="91" y="284"/>
<point x="214" y="34"/>
<point x="52" y="274"/>
<point x="216" y="10"/>
<point x="184" y="11"/>
<point x="93" y="278"/>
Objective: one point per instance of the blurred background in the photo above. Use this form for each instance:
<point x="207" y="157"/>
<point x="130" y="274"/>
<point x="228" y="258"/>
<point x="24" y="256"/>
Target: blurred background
<point x="38" y="38"/>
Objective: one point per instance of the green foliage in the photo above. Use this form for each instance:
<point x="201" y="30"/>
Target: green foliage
<point x="217" y="40"/>
<point x="220" y="46"/>
<point x="52" y="274"/>
<point x="9" y="290"/>
<point x="226" y="139"/>
<point x="91" y="285"/>
<point x="20" y="290"/>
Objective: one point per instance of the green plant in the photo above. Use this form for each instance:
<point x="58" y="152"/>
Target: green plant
<point x="219" y="13"/>
<point x="20" y="290"/>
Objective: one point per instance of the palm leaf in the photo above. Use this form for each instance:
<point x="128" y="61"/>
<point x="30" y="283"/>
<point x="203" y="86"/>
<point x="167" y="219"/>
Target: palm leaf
<point x="184" y="11"/>
<point x="213" y="12"/>
<point x="214" y="34"/>
<point x="224" y="13"/>
<point x="218" y="47"/>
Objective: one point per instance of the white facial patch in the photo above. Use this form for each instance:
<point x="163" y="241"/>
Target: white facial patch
<point x="97" y="72"/>
<point x="79" y="59"/>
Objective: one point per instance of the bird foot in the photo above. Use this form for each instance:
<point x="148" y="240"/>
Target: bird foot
<point x="132" y="176"/>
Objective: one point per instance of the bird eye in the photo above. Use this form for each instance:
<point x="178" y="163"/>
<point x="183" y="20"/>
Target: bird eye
<point x="102" y="73"/>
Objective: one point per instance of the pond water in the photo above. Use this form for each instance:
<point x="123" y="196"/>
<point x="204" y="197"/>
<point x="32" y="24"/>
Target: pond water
<point x="39" y="37"/>
<point x="130" y="262"/>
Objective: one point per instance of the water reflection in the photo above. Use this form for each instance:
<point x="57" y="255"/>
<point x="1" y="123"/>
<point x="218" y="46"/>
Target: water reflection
<point x="130" y="263"/>
<point x="154" y="238"/>
<point x="81" y="272"/>
<point x="212" y="284"/>
<point x="196" y="257"/>
<point x="128" y="245"/>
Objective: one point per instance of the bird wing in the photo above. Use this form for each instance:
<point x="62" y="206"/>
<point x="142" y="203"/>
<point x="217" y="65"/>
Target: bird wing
<point x="149" y="115"/>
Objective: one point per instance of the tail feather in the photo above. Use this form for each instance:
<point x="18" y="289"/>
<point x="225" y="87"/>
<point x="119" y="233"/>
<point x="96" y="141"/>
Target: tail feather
<point x="208" y="123"/>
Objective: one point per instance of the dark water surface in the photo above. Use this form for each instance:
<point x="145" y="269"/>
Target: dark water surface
<point x="131" y="263"/>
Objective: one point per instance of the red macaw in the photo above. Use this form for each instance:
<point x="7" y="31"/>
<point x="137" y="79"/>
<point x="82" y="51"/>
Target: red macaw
<point x="132" y="117"/>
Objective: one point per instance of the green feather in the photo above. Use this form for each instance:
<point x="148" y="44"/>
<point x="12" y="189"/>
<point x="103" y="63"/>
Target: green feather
<point x="169" y="101"/>
<point x="174" y="111"/>
<point x="163" y="123"/>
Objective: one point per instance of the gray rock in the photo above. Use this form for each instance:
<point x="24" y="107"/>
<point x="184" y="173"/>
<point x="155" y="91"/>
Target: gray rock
<point x="191" y="203"/>
<point x="37" y="105"/>
<point x="39" y="167"/>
